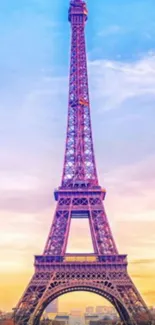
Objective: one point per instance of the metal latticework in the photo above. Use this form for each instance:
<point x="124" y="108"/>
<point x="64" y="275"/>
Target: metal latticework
<point x="79" y="162"/>
<point x="105" y="271"/>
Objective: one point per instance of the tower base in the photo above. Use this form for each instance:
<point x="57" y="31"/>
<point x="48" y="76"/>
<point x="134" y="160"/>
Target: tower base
<point x="104" y="275"/>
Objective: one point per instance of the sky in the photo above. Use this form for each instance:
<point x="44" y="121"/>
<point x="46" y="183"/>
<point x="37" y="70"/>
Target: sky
<point x="34" y="65"/>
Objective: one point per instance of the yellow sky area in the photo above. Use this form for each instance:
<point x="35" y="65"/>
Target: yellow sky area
<point x="133" y="237"/>
<point x="80" y="300"/>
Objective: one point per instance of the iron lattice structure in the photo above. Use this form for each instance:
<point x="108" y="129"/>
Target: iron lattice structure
<point x="80" y="196"/>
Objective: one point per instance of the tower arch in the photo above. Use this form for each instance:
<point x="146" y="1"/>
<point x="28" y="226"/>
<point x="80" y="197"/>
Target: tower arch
<point x="106" y="293"/>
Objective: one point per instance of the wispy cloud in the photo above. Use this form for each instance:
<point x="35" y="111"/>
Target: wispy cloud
<point x="110" y="30"/>
<point x="135" y="183"/>
<point x="114" y="83"/>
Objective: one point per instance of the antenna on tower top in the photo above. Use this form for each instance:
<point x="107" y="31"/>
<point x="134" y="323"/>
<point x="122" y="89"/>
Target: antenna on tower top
<point x="74" y="1"/>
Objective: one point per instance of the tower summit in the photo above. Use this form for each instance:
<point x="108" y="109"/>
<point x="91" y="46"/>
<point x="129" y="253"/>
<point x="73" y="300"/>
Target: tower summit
<point x="79" y="196"/>
<point x="77" y="8"/>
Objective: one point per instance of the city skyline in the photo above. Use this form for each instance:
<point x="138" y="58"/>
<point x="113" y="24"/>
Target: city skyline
<point x="34" y="132"/>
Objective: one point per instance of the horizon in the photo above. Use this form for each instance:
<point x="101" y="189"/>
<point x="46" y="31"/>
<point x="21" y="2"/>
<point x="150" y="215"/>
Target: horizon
<point x="33" y="111"/>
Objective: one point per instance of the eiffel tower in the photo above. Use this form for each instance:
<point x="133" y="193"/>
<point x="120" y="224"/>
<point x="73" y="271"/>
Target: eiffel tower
<point x="80" y="196"/>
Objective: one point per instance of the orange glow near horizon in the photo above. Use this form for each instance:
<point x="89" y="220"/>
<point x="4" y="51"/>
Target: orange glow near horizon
<point x="15" y="279"/>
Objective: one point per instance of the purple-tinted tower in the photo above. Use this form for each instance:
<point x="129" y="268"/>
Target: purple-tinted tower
<point x="80" y="196"/>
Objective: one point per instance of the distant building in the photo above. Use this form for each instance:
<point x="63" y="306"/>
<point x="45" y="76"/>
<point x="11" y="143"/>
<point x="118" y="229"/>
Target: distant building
<point x="100" y="309"/>
<point x="56" y="322"/>
<point x="89" y="310"/>
<point x="6" y="319"/>
<point x="51" y="322"/>
<point x="52" y="307"/>
<point x="106" y="321"/>
<point x="90" y="317"/>
<point x="76" y="312"/>
<point x="76" y="320"/>
<point x="62" y="317"/>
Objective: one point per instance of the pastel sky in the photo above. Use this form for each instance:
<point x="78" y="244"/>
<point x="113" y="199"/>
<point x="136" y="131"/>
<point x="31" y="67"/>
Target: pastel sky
<point x="34" y="65"/>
